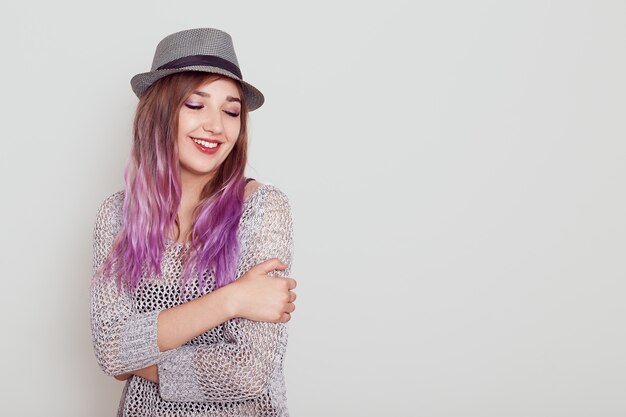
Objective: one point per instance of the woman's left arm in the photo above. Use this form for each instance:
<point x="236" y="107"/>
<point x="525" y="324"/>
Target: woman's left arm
<point x="243" y="367"/>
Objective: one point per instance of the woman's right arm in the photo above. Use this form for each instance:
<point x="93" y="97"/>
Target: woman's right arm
<point x="254" y="296"/>
<point x="125" y="341"/>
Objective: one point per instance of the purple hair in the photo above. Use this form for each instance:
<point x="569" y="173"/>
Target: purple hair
<point x="153" y="192"/>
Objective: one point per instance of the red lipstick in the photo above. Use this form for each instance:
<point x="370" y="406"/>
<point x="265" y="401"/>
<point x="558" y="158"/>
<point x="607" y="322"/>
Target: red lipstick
<point x="205" y="150"/>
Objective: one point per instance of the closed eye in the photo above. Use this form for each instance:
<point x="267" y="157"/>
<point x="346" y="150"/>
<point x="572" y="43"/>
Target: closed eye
<point x="232" y="113"/>
<point x="194" y="106"/>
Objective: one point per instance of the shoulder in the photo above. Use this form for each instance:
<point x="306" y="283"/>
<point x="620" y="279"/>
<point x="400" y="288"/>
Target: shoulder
<point x="250" y="188"/>
<point x="264" y="194"/>
<point x="267" y="216"/>
<point x="110" y="210"/>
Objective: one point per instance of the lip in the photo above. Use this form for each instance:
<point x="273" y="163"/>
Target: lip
<point x="207" y="139"/>
<point x="207" y="151"/>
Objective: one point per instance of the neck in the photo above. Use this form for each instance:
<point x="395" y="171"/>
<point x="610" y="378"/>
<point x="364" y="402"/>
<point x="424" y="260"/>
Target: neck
<point x="191" y="190"/>
<point x="192" y="185"/>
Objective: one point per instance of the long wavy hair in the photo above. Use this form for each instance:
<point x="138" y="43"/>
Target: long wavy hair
<point x="153" y="192"/>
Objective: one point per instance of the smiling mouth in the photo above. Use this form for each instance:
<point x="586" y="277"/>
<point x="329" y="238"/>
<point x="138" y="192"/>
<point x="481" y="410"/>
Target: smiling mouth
<point x="206" y="144"/>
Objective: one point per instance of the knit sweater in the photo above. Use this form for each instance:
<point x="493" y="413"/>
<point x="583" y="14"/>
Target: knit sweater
<point x="234" y="369"/>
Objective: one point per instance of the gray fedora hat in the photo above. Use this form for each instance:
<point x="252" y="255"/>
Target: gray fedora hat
<point x="203" y="49"/>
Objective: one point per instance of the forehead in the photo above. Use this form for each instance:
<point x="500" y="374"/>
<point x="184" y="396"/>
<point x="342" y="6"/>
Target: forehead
<point x="220" y="86"/>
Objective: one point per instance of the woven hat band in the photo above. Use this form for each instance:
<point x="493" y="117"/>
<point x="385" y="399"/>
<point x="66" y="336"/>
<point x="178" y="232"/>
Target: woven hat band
<point x="208" y="60"/>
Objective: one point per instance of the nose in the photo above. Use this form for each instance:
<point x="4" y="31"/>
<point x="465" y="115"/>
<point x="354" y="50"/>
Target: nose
<point x="213" y="122"/>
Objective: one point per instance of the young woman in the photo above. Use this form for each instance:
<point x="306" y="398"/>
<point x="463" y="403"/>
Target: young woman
<point x="185" y="303"/>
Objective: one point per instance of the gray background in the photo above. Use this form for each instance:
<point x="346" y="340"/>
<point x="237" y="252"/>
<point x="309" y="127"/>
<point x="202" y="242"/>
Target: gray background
<point x="456" y="172"/>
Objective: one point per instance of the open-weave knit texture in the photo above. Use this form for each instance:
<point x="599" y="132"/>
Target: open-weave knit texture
<point x="236" y="368"/>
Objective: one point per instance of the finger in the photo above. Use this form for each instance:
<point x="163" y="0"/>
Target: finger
<point x="270" y="265"/>
<point x="291" y="283"/>
<point x="293" y="296"/>
<point x="285" y="318"/>
<point x="290" y="308"/>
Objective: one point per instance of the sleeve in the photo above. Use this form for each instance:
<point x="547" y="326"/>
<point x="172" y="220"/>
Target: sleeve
<point x="123" y="339"/>
<point x="243" y="367"/>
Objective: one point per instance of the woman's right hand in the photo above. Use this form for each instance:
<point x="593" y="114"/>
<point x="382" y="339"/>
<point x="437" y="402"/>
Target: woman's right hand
<point x="257" y="296"/>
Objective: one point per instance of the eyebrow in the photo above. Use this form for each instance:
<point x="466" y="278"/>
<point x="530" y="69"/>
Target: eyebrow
<point x="229" y="98"/>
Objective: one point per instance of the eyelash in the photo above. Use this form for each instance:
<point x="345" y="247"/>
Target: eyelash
<point x="192" y="107"/>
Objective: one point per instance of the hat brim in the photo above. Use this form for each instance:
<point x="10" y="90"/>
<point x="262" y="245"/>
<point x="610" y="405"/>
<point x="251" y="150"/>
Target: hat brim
<point x="141" y="82"/>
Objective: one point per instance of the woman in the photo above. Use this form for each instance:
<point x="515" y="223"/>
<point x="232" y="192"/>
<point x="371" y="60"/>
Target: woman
<point x="184" y="307"/>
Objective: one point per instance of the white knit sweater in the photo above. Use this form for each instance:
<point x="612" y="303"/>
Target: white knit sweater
<point x="236" y="368"/>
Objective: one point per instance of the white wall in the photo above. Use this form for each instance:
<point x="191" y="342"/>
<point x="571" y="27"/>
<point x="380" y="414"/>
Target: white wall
<point x="456" y="171"/>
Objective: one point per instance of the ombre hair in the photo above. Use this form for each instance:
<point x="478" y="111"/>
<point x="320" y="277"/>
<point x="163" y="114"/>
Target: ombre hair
<point x="153" y="192"/>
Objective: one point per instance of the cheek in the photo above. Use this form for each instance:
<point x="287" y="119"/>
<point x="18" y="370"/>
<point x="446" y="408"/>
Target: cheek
<point x="184" y="123"/>
<point x="233" y="126"/>
<point x="181" y="126"/>
<point x="181" y="135"/>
